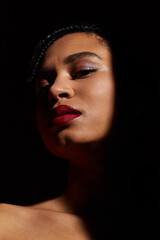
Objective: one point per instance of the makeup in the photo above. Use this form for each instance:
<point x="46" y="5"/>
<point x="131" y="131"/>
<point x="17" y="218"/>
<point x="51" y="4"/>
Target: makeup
<point x="62" y="114"/>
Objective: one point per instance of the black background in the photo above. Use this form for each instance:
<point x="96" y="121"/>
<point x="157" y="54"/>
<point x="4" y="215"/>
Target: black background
<point x="26" y="171"/>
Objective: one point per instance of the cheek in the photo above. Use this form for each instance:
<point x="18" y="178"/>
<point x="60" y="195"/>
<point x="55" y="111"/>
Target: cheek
<point x="101" y="104"/>
<point x="104" y="93"/>
<point x="100" y="95"/>
<point x="97" y="99"/>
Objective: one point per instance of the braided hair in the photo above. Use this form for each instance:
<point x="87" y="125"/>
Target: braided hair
<point x="44" y="44"/>
<point x="135" y="95"/>
<point x="124" y="56"/>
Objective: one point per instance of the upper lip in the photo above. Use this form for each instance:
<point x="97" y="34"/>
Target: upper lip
<point x="62" y="110"/>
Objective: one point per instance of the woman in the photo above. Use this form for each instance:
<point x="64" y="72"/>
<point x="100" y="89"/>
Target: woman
<point x="83" y="116"/>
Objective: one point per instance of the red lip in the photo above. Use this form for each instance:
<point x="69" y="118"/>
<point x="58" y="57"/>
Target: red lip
<point x="62" y="114"/>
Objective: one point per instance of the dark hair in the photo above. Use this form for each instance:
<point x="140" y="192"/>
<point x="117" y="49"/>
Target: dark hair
<point x="44" y="44"/>
<point x="129" y="67"/>
<point x="135" y="97"/>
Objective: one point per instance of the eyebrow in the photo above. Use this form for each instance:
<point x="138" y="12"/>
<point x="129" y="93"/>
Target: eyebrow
<point x="71" y="58"/>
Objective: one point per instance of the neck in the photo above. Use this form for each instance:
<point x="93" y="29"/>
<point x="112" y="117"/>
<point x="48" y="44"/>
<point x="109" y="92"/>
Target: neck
<point x="85" y="189"/>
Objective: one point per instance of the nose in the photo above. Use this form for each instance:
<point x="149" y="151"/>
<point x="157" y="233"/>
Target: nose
<point x="61" y="88"/>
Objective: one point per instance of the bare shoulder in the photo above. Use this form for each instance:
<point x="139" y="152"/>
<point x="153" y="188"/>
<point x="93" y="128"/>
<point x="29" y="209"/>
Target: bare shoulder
<point x="8" y="211"/>
<point x="27" y="223"/>
<point x="13" y="217"/>
<point x="13" y="220"/>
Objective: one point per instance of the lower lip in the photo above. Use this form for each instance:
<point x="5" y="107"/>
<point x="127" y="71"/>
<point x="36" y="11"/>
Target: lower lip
<point x="64" y="119"/>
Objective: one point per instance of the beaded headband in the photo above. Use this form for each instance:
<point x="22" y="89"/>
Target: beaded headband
<point x="50" y="39"/>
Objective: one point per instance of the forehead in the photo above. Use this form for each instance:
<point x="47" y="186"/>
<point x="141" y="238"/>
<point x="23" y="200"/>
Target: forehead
<point x="77" y="42"/>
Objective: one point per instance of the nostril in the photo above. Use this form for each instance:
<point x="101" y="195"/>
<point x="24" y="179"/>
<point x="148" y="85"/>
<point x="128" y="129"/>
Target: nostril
<point x="61" y="95"/>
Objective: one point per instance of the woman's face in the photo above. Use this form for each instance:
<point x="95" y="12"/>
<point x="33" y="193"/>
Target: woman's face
<point x="75" y="93"/>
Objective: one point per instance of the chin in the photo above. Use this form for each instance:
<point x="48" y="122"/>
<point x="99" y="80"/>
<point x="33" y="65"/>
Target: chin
<point x="73" y="146"/>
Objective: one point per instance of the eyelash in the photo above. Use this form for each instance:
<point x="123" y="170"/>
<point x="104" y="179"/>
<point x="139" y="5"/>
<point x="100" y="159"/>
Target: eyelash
<point x="83" y="73"/>
<point x="43" y="88"/>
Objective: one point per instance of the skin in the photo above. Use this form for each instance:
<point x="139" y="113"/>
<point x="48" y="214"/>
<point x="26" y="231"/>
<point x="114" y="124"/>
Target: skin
<point x="87" y="84"/>
<point x="94" y="98"/>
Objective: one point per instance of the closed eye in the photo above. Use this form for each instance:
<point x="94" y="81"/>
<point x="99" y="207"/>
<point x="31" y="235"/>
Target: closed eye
<point x="45" y="80"/>
<point x="83" y="73"/>
<point x="43" y="87"/>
